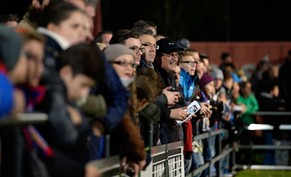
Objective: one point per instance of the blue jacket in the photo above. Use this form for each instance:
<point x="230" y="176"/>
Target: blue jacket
<point x="187" y="83"/>
<point x="115" y="95"/>
<point x="6" y="95"/>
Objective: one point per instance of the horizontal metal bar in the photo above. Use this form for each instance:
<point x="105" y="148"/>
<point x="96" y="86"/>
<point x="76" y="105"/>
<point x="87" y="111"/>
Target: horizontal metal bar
<point x="268" y="127"/>
<point x="206" y="134"/>
<point x="214" y="160"/>
<point x="175" y="145"/>
<point x="272" y="113"/>
<point x="266" y="147"/>
<point x="261" y="167"/>
<point x="222" y="155"/>
<point x="24" y="119"/>
<point x="108" y="164"/>
<point x="199" y="169"/>
<point x="260" y="127"/>
<point x="285" y="127"/>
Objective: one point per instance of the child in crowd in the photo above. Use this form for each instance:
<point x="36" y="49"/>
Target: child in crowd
<point x="67" y="129"/>
<point x="250" y="104"/>
<point x="13" y="69"/>
<point x="148" y="87"/>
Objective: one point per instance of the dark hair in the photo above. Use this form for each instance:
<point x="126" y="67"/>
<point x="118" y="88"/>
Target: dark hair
<point x="9" y="17"/>
<point x="227" y="75"/>
<point x="56" y="12"/>
<point x="84" y="59"/>
<point x="224" y="55"/>
<point x="141" y="31"/>
<point x="144" y="24"/>
<point x="148" y="84"/>
<point x="203" y="56"/>
<point x="98" y="37"/>
<point x="271" y="85"/>
<point x="120" y="36"/>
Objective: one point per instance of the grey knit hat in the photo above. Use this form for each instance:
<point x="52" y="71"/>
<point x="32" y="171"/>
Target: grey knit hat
<point x="217" y="73"/>
<point x="10" y="46"/>
<point x="115" y="50"/>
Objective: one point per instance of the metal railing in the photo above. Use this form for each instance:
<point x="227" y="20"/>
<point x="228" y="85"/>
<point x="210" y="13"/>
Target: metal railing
<point x="24" y="119"/>
<point x="167" y="160"/>
<point x="217" y="159"/>
<point x="265" y="127"/>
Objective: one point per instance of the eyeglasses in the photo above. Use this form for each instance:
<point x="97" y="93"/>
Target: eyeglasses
<point x="190" y="62"/>
<point x="137" y="49"/>
<point x="124" y="63"/>
<point x="151" y="45"/>
<point x="171" y="55"/>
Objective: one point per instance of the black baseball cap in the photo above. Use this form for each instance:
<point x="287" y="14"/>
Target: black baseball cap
<point x="167" y="46"/>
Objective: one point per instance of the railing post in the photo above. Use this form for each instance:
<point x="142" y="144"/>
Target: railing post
<point x="197" y="126"/>
<point x="220" y="151"/>
<point x="107" y="146"/>
<point x="209" y="146"/>
<point x="151" y="130"/>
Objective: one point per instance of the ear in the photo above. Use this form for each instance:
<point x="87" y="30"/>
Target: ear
<point x="52" y="27"/>
<point x="66" y="72"/>
<point x="142" y="104"/>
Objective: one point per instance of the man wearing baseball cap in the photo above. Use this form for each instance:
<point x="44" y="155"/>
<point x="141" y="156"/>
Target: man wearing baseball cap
<point x="166" y="58"/>
<point x="165" y="65"/>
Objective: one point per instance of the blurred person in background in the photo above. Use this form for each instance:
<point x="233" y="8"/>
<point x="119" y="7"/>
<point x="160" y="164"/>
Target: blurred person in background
<point x="10" y="20"/>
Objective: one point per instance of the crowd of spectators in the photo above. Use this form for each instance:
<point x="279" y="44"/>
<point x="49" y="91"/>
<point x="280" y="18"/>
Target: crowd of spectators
<point x="124" y="84"/>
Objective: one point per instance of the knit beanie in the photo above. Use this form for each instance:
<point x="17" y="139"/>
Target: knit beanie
<point x="115" y="50"/>
<point x="205" y="79"/>
<point x="217" y="73"/>
<point x="10" y="45"/>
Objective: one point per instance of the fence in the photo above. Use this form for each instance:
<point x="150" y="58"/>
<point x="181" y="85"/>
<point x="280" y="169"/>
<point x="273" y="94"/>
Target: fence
<point x="252" y="147"/>
<point x="24" y="119"/>
<point x="168" y="159"/>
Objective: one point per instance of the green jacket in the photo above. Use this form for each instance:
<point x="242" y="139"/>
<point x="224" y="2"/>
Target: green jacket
<point x="252" y="106"/>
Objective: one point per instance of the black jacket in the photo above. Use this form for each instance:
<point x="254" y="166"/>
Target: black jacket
<point x="67" y="140"/>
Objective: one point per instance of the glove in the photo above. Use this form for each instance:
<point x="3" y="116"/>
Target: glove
<point x="94" y="107"/>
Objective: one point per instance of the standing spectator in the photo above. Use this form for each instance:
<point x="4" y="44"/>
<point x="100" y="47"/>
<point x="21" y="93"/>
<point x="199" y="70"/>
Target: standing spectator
<point x="150" y="48"/>
<point x="226" y="61"/>
<point x="126" y="135"/>
<point x="165" y="65"/>
<point x="183" y="43"/>
<point x="58" y="31"/>
<point x="148" y="87"/>
<point x="67" y="130"/>
<point x="257" y="75"/>
<point x="130" y="39"/>
<point x="146" y="25"/>
<point x="205" y="60"/>
<point x="269" y="101"/>
<point x="10" y="20"/>
<point x="188" y="61"/>
<point x="284" y="75"/>
<point x="250" y="104"/>
<point x="13" y="69"/>
<point x="103" y="38"/>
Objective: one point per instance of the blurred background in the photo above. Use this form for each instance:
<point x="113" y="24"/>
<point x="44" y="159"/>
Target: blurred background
<point x="257" y="27"/>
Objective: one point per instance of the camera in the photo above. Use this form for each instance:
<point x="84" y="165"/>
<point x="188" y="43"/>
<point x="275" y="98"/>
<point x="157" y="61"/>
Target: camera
<point x="217" y="106"/>
<point x="173" y="83"/>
